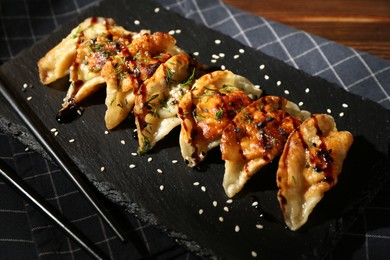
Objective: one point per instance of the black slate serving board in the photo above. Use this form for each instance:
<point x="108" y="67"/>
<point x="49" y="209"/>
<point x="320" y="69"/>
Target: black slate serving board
<point x="175" y="208"/>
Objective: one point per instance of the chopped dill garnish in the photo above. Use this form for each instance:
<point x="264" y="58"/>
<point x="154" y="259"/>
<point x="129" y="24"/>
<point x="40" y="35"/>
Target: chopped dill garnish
<point x="190" y="81"/>
<point x="219" y="114"/>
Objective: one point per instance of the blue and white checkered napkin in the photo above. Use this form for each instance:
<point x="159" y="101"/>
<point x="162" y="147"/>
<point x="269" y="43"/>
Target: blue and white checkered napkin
<point x="24" y="22"/>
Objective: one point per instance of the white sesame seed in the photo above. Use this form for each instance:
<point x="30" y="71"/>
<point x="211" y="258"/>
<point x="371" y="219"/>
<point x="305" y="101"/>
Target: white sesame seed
<point x="345" y="105"/>
<point x="159" y="171"/>
<point x="237" y="228"/>
<point x="215" y="203"/>
<point x="200" y="211"/>
<point x="177" y="31"/>
<point x="307" y="90"/>
<point x="278" y="83"/>
<point x="171" y="32"/>
<point x="161" y="187"/>
<point x="241" y="50"/>
<point x="53" y="130"/>
<point x="220" y="219"/>
<point x="257" y="86"/>
<point x="329" y="111"/>
<point x="255" y="203"/>
<point x="196" y="53"/>
<point x="79" y="112"/>
<point x="29" y="98"/>
<point x="203" y="188"/>
<point x="213" y="61"/>
<point x="341" y="114"/>
<point x="102" y="169"/>
<point x="137" y="22"/>
<point x="71" y="140"/>
<point x="106" y="132"/>
<point x="217" y="41"/>
<point x="254" y="254"/>
<point x="286" y="92"/>
<point x="26" y="149"/>
<point x="259" y="226"/>
<point x="123" y="142"/>
<point x="221" y="54"/>
<point x="223" y="67"/>
<point x="215" y="56"/>
<point x="226" y="209"/>
<point x="236" y="56"/>
<point x="150" y="159"/>
<point x="229" y="201"/>
<point x="196" y="183"/>
<point x="132" y="166"/>
<point x="174" y="161"/>
<point x="300" y="104"/>
<point x="25" y="85"/>
<point x="134" y="154"/>
<point x="56" y="133"/>
<point x="262" y="66"/>
<point x="266" y="77"/>
<point x="156" y="10"/>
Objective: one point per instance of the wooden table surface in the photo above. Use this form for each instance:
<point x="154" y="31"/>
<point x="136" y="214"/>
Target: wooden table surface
<point x="361" y="24"/>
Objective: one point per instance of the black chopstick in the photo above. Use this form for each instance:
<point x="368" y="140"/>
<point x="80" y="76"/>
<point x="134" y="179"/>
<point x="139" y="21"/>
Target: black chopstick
<point x="59" y="156"/>
<point x="29" y="194"/>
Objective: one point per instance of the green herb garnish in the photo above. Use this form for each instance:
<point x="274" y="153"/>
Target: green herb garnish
<point x="219" y="114"/>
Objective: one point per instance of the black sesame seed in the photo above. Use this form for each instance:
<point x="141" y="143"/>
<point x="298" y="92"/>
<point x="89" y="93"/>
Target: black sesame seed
<point x="316" y="168"/>
<point x="281" y="131"/>
<point x="259" y="124"/>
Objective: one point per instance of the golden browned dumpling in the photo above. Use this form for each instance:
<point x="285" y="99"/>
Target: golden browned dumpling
<point x="56" y="63"/>
<point x="82" y="55"/>
<point x="157" y="99"/>
<point x="255" y="137"/>
<point x="127" y="70"/>
<point x="309" y="166"/>
<point x="205" y="111"/>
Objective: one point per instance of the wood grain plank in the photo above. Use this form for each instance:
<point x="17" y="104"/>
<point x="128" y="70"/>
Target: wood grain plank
<point x="361" y="24"/>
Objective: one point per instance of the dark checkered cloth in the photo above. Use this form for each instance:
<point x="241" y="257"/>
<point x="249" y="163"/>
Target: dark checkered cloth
<point x="25" y="234"/>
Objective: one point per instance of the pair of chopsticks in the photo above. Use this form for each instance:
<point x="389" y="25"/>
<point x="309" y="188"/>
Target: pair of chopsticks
<point x="12" y="179"/>
<point x="63" y="162"/>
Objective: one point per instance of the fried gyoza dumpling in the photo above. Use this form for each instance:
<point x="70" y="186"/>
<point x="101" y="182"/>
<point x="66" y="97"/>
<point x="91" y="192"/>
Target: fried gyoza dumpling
<point x="130" y="68"/>
<point x="212" y="103"/>
<point x="255" y="137"/>
<point x="82" y="54"/>
<point x="309" y="166"/>
<point x="156" y="100"/>
<point x="56" y="63"/>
